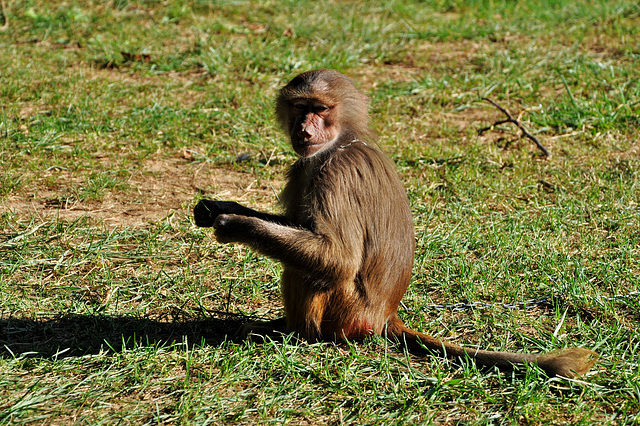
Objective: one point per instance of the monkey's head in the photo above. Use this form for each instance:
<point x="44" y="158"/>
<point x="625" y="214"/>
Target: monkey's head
<point x="320" y="107"/>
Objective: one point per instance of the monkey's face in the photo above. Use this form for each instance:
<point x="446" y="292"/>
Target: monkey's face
<point x="312" y="126"/>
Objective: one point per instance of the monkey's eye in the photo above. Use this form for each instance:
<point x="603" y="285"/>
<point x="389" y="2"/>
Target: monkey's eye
<point x="300" y="106"/>
<point x="318" y="108"/>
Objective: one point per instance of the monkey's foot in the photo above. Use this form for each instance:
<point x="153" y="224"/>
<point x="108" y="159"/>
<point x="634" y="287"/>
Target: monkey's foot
<point x="258" y="330"/>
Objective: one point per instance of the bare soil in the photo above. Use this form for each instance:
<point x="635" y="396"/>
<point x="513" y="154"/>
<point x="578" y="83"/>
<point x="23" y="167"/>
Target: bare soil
<point x="157" y="190"/>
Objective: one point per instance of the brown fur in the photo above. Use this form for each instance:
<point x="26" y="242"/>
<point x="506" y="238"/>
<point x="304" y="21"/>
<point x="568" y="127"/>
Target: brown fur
<point x="346" y="238"/>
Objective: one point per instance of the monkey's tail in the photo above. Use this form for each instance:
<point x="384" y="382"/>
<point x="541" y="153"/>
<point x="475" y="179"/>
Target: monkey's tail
<point x="568" y="362"/>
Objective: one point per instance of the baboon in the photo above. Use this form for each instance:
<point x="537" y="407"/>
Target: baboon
<point x="346" y="238"/>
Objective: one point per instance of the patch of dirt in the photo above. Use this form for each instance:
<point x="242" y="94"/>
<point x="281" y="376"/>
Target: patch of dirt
<point x="425" y="58"/>
<point x="158" y="189"/>
<point x="186" y="97"/>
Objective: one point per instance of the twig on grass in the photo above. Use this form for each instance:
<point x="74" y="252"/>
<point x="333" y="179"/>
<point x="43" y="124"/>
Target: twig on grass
<point x="516" y="121"/>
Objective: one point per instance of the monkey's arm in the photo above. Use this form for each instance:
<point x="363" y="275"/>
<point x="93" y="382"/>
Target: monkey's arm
<point x="323" y="255"/>
<point x="206" y="212"/>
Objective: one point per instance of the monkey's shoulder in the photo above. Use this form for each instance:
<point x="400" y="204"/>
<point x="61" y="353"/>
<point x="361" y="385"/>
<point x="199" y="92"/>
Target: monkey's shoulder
<point x="356" y="168"/>
<point x="357" y="158"/>
<point x="367" y="165"/>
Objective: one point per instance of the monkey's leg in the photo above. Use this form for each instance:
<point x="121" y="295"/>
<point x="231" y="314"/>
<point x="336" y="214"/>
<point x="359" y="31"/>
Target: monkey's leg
<point x="256" y="331"/>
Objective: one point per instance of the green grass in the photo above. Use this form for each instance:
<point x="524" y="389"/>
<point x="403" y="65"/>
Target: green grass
<point x="117" y="117"/>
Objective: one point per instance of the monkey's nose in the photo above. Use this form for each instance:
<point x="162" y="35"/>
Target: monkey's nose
<point x="304" y="134"/>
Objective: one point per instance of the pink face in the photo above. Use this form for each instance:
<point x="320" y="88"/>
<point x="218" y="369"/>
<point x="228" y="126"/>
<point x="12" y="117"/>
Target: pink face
<point x="312" y="127"/>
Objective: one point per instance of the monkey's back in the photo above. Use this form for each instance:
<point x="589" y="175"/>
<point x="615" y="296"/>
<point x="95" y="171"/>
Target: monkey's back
<point x="352" y="197"/>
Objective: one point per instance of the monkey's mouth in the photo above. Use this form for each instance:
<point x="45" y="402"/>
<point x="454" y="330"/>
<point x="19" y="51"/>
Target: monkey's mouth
<point x="307" y="148"/>
<point x="307" y="143"/>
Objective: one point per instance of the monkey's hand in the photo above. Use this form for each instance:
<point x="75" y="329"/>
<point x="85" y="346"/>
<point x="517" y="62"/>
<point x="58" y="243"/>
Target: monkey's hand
<point x="207" y="211"/>
<point x="229" y="227"/>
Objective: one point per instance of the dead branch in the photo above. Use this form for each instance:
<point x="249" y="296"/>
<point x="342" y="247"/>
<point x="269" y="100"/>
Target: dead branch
<point x="516" y="121"/>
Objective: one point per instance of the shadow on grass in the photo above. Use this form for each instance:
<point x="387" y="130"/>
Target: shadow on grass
<point x="76" y="335"/>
